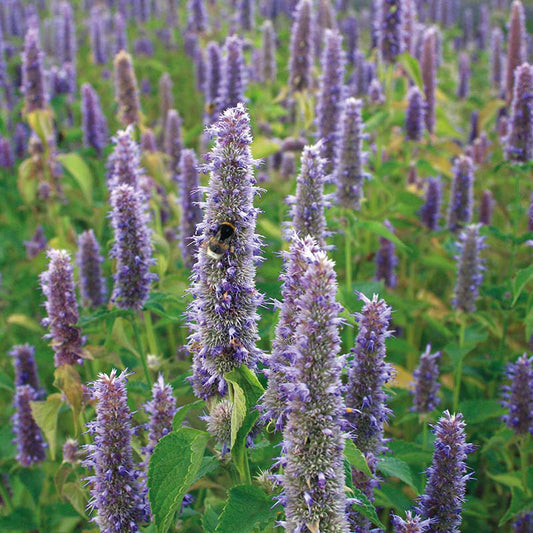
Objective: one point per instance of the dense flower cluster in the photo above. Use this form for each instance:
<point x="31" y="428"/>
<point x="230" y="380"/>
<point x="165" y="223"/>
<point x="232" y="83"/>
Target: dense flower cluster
<point x="518" y="396"/>
<point x="426" y="385"/>
<point x="92" y="284"/>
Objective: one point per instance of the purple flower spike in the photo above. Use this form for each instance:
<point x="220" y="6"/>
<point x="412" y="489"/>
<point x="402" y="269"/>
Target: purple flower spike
<point x="411" y="524"/>
<point x="430" y="211"/>
<point x="173" y="142"/>
<point x="330" y="102"/>
<point x="28" y="437"/>
<point x="94" y="123"/>
<point x="124" y="163"/>
<point x="518" y="396"/>
<point x="386" y="260"/>
<point x="307" y="210"/>
<point x="222" y="316"/>
<point x="268" y="52"/>
<point x="415" y="114"/>
<point x="166" y="99"/>
<point x="426" y="382"/>
<point x="121" y="37"/>
<point x="524" y="523"/>
<point x="469" y="269"/>
<point x="126" y="89"/>
<point x="213" y="77"/>
<point x="191" y="198"/>
<point x="313" y="442"/>
<point x="118" y="492"/>
<point x="89" y="260"/>
<point x="428" y="66"/>
<point x="390" y="35"/>
<point x="25" y="368"/>
<point x="461" y="194"/>
<point x="519" y="141"/>
<point x="497" y="59"/>
<point x="197" y="20"/>
<point x="98" y="31"/>
<point x="33" y="84"/>
<point x="148" y="143"/>
<point x="447" y="477"/>
<point x="58" y="286"/>
<point x="274" y="403"/>
<point x="7" y="157"/>
<point x="516" y="49"/>
<point x="132" y="248"/>
<point x="161" y="410"/>
<point x="233" y="80"/>
<point x="530" y="214"/>
<point x="246" y="14"/>
<point x="350" y="157"/>
<point x="409" y="24"/>
<point x="485" y="210"/>
<point x="464" y="76"/>
<point x="67" y="53"/>
<point x="301" y="56"/>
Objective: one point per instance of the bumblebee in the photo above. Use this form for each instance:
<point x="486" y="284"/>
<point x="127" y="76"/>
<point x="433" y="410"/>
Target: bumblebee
<point x="218" y="245"/>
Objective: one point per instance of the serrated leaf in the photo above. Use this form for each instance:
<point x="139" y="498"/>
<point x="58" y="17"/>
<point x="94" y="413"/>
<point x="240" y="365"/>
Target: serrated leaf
<point x="45" y="415"/>
<point x="519" y="503"/>
<point x="183" y="411"/>
<point x="209" y="464"/>
<point x="365" y="507"/>
<point x="76" y="496"/>
<point x="173" y="468"/>
<point x="520" y="281"/>
<point x="248" y="507"/>
<point x="394" y="467"/>
<point x="355" y="457"/>
<point x="78" y="169"/>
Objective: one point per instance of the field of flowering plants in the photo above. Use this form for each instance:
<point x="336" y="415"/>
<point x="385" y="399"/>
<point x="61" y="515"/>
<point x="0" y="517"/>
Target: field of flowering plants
<point x="266" y="266"/>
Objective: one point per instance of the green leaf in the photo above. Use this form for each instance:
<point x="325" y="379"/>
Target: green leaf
<point x="183" y="411"/>
<point x="33" y="480"/>
<point x="76" y="496"/>
<point x="26" y="182"/>
<point x="67" y="380"/>
<point x="519" y="503"/>
<point x="365" y="507"/>
<point x="263" y="147"/>
<point x="519" y="282"/>
<point x="209" y="520"/>
<point x="245" y="391"/>
<point x="355" y="457"/>
<point x="45" y="415"/>
<point x="513" y="480"/>
<point x="248" y="507"/>
<point x="412" y="67"/>
<point x="476" y="411"/>
<point x="379" y="229"/>
<point x="209" y="464"/>
<point x="19" y="520"/>
<point x="394" y="467"/>
<point x="173" y="467"/>
<point x="41" y="122"/>
<point x="79" y="170"/>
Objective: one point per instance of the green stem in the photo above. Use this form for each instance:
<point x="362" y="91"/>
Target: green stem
<point x="152" y="341"/>
<point x="424" y="433"/>
<point x="459" y="371"/>
<point x="142" y="353"/>
<point x="524" y="464"/>
<point x="6" y="498"/>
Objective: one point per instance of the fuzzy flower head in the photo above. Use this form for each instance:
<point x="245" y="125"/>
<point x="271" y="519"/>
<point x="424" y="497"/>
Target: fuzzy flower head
<point x="390" y="35"/>
<point x="233" y="74"/>
<point x="173" y="143"/>
<point x="430" y="211"/>
<point x="426" y="385"/>
<point x="313" y="442"/>
<point x="428" y="67"/>
<point x="415" y="114"/>
<point x="461" y="194"/>
<point x="301" y="56"/>
<point x="71" y="452"/>
<point x="126" y="90"/>
<point x="213" y="77"/>
<point x="36" y="244"/>
<point x="517" y="48"/>
<point x="94" y="123"/>
<point x="268" y="52"/>
<point x="470" y="267"/>
<point x="124" y="163"/>
<point x="92" y="284"/>
<point x="411" y="524"/>
<point x="486" y="208"/>
<point x="25" y="367"/>
<point x="497" y="59"/>
<point x="58" y="287"/>
<point x="223" y="317"/>
<point x="132" y="248"/>
<point x="386" y="260"/>
<point x="33" y="84"/>
<point x="518" y="396"/>
<point x="446" y="477"/>
<point x="219" y="423"/>
<point x="161" y="410"/>
<point x="118" y="493"/>
<point x="519" y="141"/>
<point x="28" y="437"/>
<point x="307" y="210"/>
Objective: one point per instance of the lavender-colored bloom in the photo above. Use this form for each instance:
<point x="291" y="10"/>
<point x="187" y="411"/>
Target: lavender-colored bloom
<point x="375" y="92"/>
<point x="430" y="211"/>
<point x="20" y="140"/>
<point x="7" y="158"/>
<point x="191" y="212"/>
<point x="126" y="90"/>
<point x="246" y="14"/>
<point x="519" y="141"/>
<point x="233" y="75"/>
<point x="390" y="36"/>
<point x="98" y="32"/>
<point x="428" y="67"/>
<point x="25" y="368"/>
<point x="409" y="15"/>
<point x="200" y="70"/>
<point x="219" y="423"/>
<point x="121" y="37"/>
<point x="325" y="20"/>
<point x="161" y="410"/>
<point x="94" y="123"/>
<point x="173" y="143"/>
<point x="301" y="57"/>
<point x="36" y="244"/>
<point x="330" y="102"/>
<point x="197" y="20"/>
<point x="415" y="114"/>
<point x="222" y="316"/>
<point x="461" y="194"/>
<point x="213" y="77"/>
<point x="118" y="492"/>
<point x="497" y="61"/>
<point x="469" y="269"/>
<point x="447" y="477"/>
<point x="71" y="452"/>
<point x="350" y="157"/>
<point x="33" y="85"/>
<point x="28" y="437"/>
<point x="516" y="48"/>
<point x="518" y="396"/>
<point x="89" y="260"/>
<point x="523" y="523"/>
<point x="426" y="382"/>
<point x="67" y="34"/>
<point x="386" y="260"/>
<point x="274" y="402"/>
<point x="132" y="248"/>
<point x="124" y="162"/>
<point x="287" y="167"/>
<point x="464" y="76"/>
<point x="530" y="214"/>
<point x="485" y="210"/>
<point x="411" y="524"/>
<point x="307" y="210"/>
<point x="268" y="52"/>
<point x="313" y="442"/>
<point x="58" y="286"/>
<point x="350" y="30"/>
<point x="148" y="143"/>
